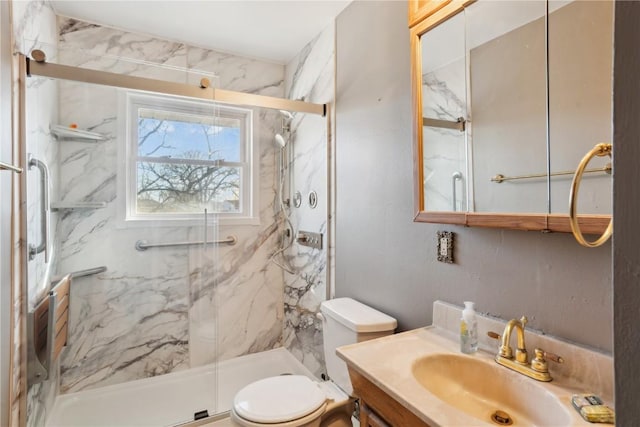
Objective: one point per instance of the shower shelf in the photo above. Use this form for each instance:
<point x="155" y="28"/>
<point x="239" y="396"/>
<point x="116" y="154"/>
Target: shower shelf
<point x="65" y="132"/>
<point x="71" y="206"/>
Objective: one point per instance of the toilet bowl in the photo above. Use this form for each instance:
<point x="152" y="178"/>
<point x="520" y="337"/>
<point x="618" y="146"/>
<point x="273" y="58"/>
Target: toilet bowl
<point x="299" y="401"/>
<point x="291" y="401"/>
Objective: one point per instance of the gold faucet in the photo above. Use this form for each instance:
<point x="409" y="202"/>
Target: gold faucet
<point x="538" y="369"/>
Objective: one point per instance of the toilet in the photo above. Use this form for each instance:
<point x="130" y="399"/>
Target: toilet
<point x="297" y="400"/>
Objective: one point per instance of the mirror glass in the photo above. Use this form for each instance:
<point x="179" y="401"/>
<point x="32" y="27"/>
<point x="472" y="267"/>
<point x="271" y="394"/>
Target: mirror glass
<point x="444" y="110"/>
<point x="507" y="117"/>
<point x="580" y="100"/>
<point x="489" y="139"/>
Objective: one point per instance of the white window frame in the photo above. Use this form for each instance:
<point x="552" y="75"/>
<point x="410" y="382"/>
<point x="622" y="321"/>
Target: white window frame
<point x="131" y="102"/>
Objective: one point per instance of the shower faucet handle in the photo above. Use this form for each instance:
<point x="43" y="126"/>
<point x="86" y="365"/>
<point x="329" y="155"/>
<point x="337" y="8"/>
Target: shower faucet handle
<point x="308" y="238"/>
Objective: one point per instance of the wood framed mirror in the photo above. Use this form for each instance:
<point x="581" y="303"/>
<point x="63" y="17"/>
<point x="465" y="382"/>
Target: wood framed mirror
<point x="507" y="98"/>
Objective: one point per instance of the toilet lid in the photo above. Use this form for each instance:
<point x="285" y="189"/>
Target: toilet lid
<point x="278" y="399"/>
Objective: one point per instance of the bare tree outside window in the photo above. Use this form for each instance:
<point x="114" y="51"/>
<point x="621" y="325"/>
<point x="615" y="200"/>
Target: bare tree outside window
<point x="181" y="166"/>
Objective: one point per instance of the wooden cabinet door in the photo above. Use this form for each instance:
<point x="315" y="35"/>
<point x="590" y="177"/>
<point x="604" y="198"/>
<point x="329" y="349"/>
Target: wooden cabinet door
<point x="420" y="9"/>
<point x="369" y="418"/>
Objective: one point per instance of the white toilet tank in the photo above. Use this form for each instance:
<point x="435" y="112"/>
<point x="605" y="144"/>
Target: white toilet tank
<point x="346" y="321"/>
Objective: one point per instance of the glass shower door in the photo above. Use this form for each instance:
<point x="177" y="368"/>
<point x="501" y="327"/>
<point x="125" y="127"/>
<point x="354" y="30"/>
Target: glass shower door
<point x="126" y="223"/>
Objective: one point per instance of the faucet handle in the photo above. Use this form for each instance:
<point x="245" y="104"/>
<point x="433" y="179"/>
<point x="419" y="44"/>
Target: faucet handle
<point x="552" y="356"/>
<point x="524" y="321"/>
<point x="494" y="335"/>
<point x="539" y="363"/>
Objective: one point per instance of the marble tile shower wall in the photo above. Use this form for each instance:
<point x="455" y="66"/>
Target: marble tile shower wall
<point x="309" y="76"/>
<point x="154" y="312"/>
<point x="34" y="24"/>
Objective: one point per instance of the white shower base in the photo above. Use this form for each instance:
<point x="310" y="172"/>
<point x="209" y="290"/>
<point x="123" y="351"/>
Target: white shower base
<point x="170" y="399"/>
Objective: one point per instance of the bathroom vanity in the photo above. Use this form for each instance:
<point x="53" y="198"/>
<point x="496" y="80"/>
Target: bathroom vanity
<point x="420" y="378"/>
<point x="377" y="408"/>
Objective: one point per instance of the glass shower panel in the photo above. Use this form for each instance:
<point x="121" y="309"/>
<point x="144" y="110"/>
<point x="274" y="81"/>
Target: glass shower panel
<point x="139" y="268"/>
<point x="580" y="103"/>
<point x="42" y="250"/>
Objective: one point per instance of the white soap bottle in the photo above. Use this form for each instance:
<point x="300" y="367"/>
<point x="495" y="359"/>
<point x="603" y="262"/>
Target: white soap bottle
<point x="468" y="329"/>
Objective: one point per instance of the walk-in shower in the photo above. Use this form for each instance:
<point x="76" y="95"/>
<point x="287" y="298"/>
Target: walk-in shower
<point x="145" y="177"/>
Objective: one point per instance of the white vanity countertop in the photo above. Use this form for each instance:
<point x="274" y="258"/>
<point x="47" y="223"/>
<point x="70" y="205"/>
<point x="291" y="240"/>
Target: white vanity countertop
<point x="387" y="362"/>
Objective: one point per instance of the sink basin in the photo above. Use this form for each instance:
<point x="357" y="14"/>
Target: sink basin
<point x="480" y="388"/>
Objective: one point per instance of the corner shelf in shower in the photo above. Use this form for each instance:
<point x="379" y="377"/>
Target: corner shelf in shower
<point x="64" y="132"/>
<point x="72" y="206"/>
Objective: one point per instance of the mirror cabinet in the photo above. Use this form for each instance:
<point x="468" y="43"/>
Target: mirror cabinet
<point x="508" y="97"/>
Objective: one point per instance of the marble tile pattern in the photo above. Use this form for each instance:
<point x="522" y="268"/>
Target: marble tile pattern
<point x="34" y="24"/>
<point x="444" y="98"/>
<point x="309" y="76"/>
<point x="161" y="310"/>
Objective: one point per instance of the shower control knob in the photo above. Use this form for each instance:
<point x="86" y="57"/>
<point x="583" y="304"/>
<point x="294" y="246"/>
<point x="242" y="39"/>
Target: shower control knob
<point x="308" y="238"/>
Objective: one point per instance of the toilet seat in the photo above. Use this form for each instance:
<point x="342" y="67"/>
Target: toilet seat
<point x="279" y="399"/>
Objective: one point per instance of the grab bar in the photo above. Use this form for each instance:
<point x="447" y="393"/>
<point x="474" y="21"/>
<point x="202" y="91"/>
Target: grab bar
<point x="455" y="177"/>
<point x="143" y="245"/>
<point x="6" y="166"/>
<point x="82" y="273"/>
<point x="44" y="210"/>
<point x="459" y="124"/>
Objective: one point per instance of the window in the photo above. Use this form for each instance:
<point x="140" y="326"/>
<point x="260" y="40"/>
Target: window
<point x="186" y="156"/>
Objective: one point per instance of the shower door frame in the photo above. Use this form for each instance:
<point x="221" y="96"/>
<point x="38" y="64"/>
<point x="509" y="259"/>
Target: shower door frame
<point x="27" y="67"/>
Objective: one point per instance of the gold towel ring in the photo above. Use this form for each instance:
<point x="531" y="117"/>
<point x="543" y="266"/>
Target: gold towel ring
<point x="602" y="149"/>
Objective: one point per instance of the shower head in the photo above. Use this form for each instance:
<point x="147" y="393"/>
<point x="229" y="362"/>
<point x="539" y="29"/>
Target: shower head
<point x="280" y="141"/>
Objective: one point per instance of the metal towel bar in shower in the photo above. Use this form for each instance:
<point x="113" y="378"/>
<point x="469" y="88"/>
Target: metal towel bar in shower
<point x="44" y="210"/>
<point x="6" y="166"/>
<point x="82" y="273"/>
<point x="143" y="245"/>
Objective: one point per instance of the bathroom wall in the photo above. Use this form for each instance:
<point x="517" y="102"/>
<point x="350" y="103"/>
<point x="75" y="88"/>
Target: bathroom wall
<point x="310" y="77"/>
<point x="161" y="310"/>
<point x="386" y="260"/>
<point x="626" y="204"/>
<point x="34" y="24"/>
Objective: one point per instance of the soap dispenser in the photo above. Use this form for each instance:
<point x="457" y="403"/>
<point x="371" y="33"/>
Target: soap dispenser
<point x="468" y="329"/>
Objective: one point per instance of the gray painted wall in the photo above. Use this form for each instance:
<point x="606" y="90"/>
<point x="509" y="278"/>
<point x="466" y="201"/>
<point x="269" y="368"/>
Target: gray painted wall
<point x="387" y="261"/>
<point x="626" y="204"/>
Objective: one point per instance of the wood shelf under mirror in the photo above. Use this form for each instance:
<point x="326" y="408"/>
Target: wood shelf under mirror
<point x="475" y="211"/>
<point x="558" y="223"/>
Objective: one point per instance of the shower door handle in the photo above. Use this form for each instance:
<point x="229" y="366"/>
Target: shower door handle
<point x="44" y="210"/>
